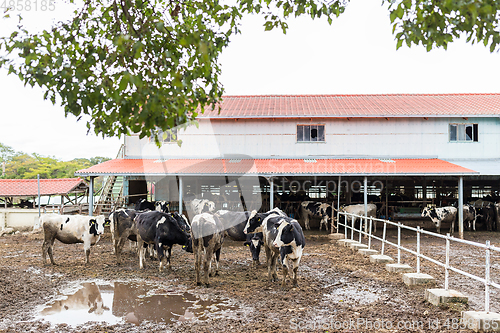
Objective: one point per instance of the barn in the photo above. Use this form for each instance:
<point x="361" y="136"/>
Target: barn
<point x="402" y="152"/>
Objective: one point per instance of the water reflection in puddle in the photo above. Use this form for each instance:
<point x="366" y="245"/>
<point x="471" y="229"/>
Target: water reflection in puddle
<point x="129" y="302"/>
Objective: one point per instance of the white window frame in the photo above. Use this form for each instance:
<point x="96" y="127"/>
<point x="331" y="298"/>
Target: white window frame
<point x="460" y="132"/>
<point x="310" y="128"/>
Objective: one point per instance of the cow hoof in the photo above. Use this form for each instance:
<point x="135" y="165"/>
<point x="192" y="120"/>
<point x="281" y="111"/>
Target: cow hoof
<point x="198" y="283"/>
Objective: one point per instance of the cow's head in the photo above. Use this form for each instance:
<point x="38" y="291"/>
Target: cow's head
<point x="255" y="244"/>
<point x="188" y="247"/>
<point x="96" y="225"/>
<point x="254" y="222"/>
<point x="208" y="206"/>
<point x="182" y="221"/>
<point x="426" y="212"/>
<point x="162" y="206"/>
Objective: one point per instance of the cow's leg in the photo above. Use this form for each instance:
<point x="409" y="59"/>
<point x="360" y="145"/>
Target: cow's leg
<point x="274" y="261"/>
<point x="284" y="270"/>
<point x="120" y="243"/>
<point x="207" y="263"/>
<point x="217" y="258"/>
<point x="86" y="248"/>
<point x="141" y="251"/>
<point x="197" y="261"/>
<point x="306" y="221"/>
<point x="295" y="270"/>
<point x="268" y="261"/>
<point x="47" y="247"/>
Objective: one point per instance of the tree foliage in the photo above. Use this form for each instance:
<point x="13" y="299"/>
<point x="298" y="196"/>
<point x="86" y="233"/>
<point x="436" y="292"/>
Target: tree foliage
<point x="145" y="66"/>
<point x="25" y="166"/>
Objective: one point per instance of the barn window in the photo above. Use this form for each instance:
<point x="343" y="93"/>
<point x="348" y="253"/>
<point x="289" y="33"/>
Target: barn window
<point x="310" y="133"/>
<point x="463" y="133"/>
<point x="168" y="136"/>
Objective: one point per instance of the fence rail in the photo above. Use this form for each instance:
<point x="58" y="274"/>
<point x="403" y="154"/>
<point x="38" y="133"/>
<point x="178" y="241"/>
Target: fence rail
<point x="367" y="222"/>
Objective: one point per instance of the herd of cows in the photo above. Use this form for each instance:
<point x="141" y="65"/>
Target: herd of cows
<point x="155" y="229"/>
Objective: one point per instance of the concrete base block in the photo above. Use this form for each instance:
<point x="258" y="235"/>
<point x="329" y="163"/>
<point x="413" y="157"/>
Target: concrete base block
<point x="442" y="296"/>
<point x="336" y="236"/>
<point x="481" y="321"/>
<point x="346" y="242"/>
<point x="399" y="268"/>
<point x="380" y="259"/>
<point x="358" y="246"/>
<point x="366" y="252"/>
<point x="418" y="279"/>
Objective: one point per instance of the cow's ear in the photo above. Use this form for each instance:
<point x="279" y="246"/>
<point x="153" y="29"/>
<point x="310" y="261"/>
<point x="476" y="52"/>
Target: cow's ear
<point x="246" y="243"/>
<point x="291" y="227"/>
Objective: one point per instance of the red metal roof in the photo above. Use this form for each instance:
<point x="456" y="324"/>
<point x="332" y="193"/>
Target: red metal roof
<point x="29" y="187"/>
<point x="402" y="105"/>
<point x="276" y="167"/>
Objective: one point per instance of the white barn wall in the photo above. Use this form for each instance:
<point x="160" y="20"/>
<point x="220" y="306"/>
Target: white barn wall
<point x="363" y="137"/>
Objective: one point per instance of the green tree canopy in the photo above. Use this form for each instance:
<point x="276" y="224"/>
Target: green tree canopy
<point x="147" y="66"/>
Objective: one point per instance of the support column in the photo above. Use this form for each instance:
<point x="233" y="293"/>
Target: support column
<point x="91" y="196"/>
<point x="365" y="195"/>
<point x="181" y="185"/>
<point x="461" y="206"/>
<point x="271" y="193"/>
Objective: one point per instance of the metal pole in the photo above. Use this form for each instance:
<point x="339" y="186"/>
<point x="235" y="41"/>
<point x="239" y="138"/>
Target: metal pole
<point x="370" y="234"/>
<point x="461" y="207"/>
<point x="352" y="227"/>
<point x="418" y="249"/>
<point x="383" y="238"/>
<point x="271" y="193"/>
<point x="399" y="242"/>
<point x="181" y="185"/>
<point x="447" y="265"/>
<point x="38" y="181"/>
<point x="338" y="205"/>
<point x="91" y="196"/>
<point x="360" y="229"/>
<point x="345" y="225"/>
<point x="488" y="281"/>
<point x="365" y="199"/>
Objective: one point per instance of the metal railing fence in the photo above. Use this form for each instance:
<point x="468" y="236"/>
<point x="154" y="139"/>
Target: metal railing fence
<point x="486" y="280"/>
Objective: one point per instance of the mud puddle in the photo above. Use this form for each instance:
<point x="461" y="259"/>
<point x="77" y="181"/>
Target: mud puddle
<point x="131" y="302"/>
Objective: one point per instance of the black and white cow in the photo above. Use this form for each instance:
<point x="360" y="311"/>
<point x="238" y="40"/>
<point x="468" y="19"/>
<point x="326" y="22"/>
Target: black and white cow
<point x="439" y="215"/>
<point x="122" y="227"/>
<point x="291" y="241"/>
<point x="360" y="210"/>
<point x="161" y="206"/>
<point x="316" y="209"/>
<point x="262" y="222"/>
<point x="207" y="233"/>
<point x="470" y="217"/>
<point x="234" y="223"/>
<point x="487" y="215"/>
<point x="70" y="229"/>
<point x="162" y="230"/>
<point x="199" y="206"/>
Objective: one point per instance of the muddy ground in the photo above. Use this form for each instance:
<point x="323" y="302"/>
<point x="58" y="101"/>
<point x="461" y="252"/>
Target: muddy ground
<point x="338" y="290"/>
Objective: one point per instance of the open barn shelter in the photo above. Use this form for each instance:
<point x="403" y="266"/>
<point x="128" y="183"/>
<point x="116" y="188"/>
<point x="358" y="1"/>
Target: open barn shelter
<point x="19" y="203"/>
<point x="402" y="151"/>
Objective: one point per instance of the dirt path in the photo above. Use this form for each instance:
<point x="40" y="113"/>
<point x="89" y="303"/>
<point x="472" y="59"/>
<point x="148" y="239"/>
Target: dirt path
<point x="338" y="291"/>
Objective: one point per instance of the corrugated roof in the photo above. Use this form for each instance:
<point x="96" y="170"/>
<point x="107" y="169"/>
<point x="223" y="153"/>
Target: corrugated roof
<point x="29" y="187"/>
<point x="297" y="167"/>
<point x="396" y="105"/>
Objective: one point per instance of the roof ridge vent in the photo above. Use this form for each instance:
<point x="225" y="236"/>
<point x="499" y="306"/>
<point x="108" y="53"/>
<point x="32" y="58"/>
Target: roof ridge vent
<point x="386" y="160"/>
<point x="161" y="160"/>
<point x="235" y="160"/>
<point x="309" y="160"/>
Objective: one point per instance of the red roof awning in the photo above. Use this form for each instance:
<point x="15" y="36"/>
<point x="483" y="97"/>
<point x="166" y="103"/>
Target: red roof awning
<point x="29" y="187"/>
<point x="324" y="106"/>
<point x="278" y="167"/>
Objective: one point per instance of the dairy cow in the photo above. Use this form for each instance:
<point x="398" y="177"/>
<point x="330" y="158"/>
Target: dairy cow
<point x="310" y="209"/>
<point x="199" y="206"/>
<point x="70" y="229"/>
<point x="259" y="222"/>
<point x="469" y="217"/>
<point x="161" y="206"/>
<point x="439" y="215"/>
<point x="123" y="227"/>
<point x="207" y="233"/>
<point x="234" y="223"/>
<point x="291" y="241"/>
<point x="360" y="210"/>
<point x="162" y="230"/>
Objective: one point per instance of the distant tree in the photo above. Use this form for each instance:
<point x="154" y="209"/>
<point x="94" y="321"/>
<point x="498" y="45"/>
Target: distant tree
<point x="6" y="152"/>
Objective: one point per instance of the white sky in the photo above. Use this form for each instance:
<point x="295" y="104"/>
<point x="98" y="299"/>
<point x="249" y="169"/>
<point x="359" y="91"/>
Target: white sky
<point x="355" y="55"/>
